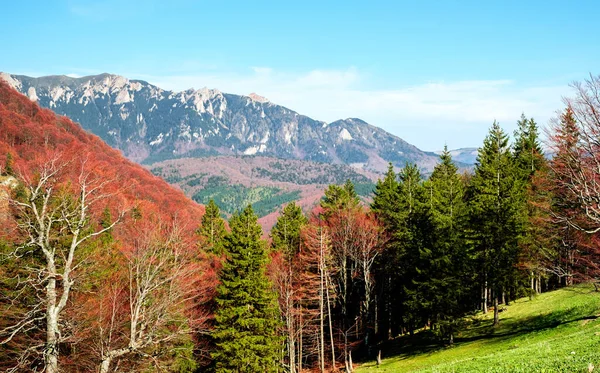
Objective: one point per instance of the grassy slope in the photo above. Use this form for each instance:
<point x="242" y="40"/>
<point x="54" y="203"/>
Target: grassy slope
<point x="556" y="332"/>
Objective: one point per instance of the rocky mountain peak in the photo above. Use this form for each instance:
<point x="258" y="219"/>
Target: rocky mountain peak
<point x="150" y="124"/>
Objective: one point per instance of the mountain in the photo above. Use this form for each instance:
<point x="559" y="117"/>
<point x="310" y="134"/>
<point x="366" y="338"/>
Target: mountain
<point x="32" y="136"/>
<point x="466" y="156"/>
<point x="149" y="124"/>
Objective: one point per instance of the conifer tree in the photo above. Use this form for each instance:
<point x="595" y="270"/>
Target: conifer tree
<point x="212" y="229"/>
<point x="448" y="271"/>
<point x="339" y="197"/>
<point x="527" y="151"/>
<point x="529" y="161"/>
<point x="565" y="207"/>
<point x="286" y="232"/>
<point x="385" y="207"/>
<point x="247" y="317"/>
<point x="496" y="215"/>
<point x="385" y="198"/>
<point x="412" y="233"/>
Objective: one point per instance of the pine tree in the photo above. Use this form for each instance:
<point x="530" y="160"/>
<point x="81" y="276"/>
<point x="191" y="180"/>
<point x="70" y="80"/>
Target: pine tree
<point x="247" y="317"/>
<point x="385" y="198"/>
<point x="527" y="151"/>
<point x="339" y="197"/>
<point x="564" y="204"/>
<point x="496" y="215"/>
<point x="448" y="271"/>
<point x="286" y="232"/>
<point x="412" y="232"/>
<point x="529" y="161"/>
<point x="212" y="229"/>
<point x="385" y="207"/>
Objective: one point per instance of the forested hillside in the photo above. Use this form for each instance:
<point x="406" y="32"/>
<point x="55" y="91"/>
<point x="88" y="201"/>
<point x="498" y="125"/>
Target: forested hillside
<point x="99" y="261"/>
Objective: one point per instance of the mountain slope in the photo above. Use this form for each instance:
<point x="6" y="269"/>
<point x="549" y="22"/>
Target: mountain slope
<point x="151" y="124"/>
<point x="31" y="135"/>
<point x="265" y="183"/>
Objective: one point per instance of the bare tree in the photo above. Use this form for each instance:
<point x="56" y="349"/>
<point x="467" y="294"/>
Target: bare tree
<point x="55" y="219"/>
<point x="158" y="294"/>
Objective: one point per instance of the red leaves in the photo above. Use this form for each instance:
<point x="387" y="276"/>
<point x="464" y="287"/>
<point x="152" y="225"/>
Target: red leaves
<point x="33" y="135"/>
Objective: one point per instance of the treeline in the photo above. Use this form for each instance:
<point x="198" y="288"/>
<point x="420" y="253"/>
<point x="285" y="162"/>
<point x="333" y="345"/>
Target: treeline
<point x="94" y="277"/>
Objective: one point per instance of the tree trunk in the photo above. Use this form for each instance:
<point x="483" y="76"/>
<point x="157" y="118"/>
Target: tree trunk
<point x="484" y="301"/>
<point x="105" y="365"/>
<point x="496" y="318"/>
<point x="51" y="350"/>
<point x="532" y="286"/>
<point x="321" y="307"/>
<point x="300" y="340"/>
<point x="330" y="322"/>
<point x="350" y="365"/>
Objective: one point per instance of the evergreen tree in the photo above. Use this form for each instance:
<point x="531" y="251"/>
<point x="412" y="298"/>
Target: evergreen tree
<point x="339" y="197"/>
<point x="564" y="204"/>
<point x="247" y="317"/>
<point x="529" y="161"/>
<point x="448" y="270"/>
<point x="385" y="198"/>
<point x="385" y="207"/>
<point x="412" y="232"/>
<point x="212" y="229"/>
<point x="496" y="215"/>
<point x="527" y="151"/>
<point x="286" y="232"/>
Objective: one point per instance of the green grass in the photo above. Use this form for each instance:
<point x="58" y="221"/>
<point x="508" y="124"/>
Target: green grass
<point x="557" y="331"/>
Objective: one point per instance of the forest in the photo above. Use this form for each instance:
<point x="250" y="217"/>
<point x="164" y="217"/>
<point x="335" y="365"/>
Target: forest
<point x="105" y="268"/>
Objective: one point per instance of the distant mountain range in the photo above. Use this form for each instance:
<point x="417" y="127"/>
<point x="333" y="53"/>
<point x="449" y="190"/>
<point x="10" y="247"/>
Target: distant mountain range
<point x="149" y="124"/>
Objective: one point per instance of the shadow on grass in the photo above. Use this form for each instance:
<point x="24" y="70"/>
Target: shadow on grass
<point x="425" y="342"/>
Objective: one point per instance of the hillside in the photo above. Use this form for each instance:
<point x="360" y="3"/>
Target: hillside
<point x="558" y="331"/>
<point x="150" y="124"/>
<point x="266" y="183"/>
<point x="31" y="135"/>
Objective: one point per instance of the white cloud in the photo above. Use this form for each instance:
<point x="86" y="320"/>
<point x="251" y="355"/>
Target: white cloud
<point x="427" y="115"/>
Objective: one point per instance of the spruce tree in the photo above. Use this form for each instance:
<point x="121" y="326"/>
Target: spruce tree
<point x="412" y="232"/>
<point x="385" y="199"/>
<point x="529" y="161"/>
<point x="496" y="215"/>
<point x="527" y="151"/>
<point x="247" y="317"/>
<point x="339" y="197"/>
<point x="212" y="229"/>
<point x="286" y="232"/>
<point x="448" y="270"/>
<point x="385" y="207"/>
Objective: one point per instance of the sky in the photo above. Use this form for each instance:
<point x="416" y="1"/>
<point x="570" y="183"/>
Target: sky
<point x="430" y="72"/>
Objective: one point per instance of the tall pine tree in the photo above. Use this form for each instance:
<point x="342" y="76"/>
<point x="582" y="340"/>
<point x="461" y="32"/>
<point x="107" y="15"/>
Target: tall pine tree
<point x="496" y="216"/>
<point x="212" y="229"/>
<point x="247" y="317"/>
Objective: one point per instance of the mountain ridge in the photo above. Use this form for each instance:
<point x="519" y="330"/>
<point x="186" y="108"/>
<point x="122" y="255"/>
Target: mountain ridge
<point x="149" y="124"/>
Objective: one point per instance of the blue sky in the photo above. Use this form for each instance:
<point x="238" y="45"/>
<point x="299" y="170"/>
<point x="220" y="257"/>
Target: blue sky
<point x="431" y="72"/>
